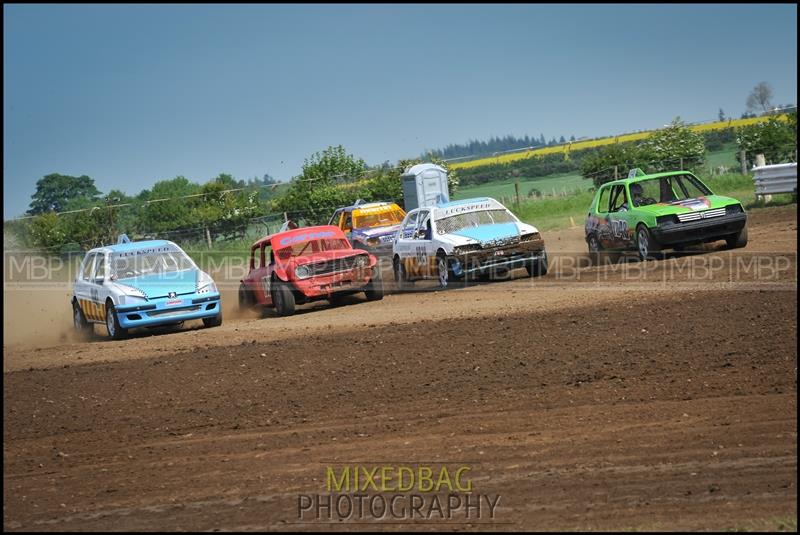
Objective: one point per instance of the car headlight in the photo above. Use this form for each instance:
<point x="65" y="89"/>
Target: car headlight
<point x="361" y="261"/>
<point x="205" y="284"/>
<point x="734" y="209"/>
<point x="667" y="220"/>
<point x="302" y="272"/>
<point x="372" y="242"/>
<point x="130" y="291"/>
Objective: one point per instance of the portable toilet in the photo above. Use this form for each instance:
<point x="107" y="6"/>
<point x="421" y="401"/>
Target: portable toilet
<point x="424" y="184"/>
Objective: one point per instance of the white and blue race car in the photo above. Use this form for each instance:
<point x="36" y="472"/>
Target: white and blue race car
<point x="462" y="238"/>
<point x="142" y="284"/>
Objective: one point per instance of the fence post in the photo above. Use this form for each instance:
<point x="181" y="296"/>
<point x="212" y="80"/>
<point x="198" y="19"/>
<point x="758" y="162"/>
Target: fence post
<point x="208" y="237"/>
<point x="743" y="160"/>
<point x="616" y="173"/>
<point x="681" y="163"/>
<point x="516" y="188"/>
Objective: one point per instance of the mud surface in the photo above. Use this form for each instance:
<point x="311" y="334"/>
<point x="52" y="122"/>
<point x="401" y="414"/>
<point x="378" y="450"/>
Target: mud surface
<point x="660" y="395"/>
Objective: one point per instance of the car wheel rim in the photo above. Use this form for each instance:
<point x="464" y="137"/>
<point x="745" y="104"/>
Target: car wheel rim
<point x="442" y="273"/>
<point x="77" y="318"/>
<point x="110" y="322"/>
<point x="643" y="243"/>
<point x="593" y="244"/>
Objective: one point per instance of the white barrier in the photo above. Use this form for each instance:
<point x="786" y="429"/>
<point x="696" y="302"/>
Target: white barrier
<point x="778" y="178"/>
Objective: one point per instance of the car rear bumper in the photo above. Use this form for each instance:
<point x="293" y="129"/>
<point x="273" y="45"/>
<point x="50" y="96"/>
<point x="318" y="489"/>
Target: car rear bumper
<point x="161" y="313"/>
<point x="699" y="231"/>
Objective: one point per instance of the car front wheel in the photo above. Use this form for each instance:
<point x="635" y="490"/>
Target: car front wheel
<point x="283" y="298"/>
<point x="738" y="240"/>
<point x="374" y="290"/>
<point x="115" y="332"/>
<point x="646" y="246"/>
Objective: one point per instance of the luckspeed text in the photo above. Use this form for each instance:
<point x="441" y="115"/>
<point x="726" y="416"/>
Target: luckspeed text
<point x="397" y="493"/>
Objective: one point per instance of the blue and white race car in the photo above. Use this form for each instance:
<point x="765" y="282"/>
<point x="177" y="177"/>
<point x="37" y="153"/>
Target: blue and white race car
<point x="142" y="284"/>
<point x="461" y="238"/>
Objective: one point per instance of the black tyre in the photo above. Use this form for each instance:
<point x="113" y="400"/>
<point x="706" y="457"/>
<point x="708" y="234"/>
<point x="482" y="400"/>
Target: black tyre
<point x="374" y="290"/>
<point x="595" y="248"/>
<point x="738" y="240"/>
<point x="442" y="271"/>
<point x="646" y="246"/>
<point x="83" y="328"/>
<point x="400" y="276"/>
<point x="115" y="332"/>
<point x="538" y="268"/>
<point x="245" y="297"/>
<point x="214" y="321"/>
<point x="282" y="298"/>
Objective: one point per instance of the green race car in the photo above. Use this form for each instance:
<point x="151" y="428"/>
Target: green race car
<point x="648" y="213"/>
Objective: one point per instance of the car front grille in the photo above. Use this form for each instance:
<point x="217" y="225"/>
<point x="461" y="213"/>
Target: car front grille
<point x="697" y="216"/>
<point x="334" y="266"/>
<point x="502" y="242"/>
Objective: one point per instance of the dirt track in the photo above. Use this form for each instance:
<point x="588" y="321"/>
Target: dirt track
<point x="662" y="395"/>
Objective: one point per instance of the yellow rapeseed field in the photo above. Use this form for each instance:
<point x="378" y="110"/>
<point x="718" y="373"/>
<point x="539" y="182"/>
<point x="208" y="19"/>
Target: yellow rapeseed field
<point x="591" y="143"/>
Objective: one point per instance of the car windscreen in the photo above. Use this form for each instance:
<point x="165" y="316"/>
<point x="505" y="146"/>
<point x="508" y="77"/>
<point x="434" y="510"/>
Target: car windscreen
<point x="151" y="262"/>
<point x="454" y="223"/>
<point x="312" y="247"/>
<point x="379" y="219"/>
<point x="667" y="189"/>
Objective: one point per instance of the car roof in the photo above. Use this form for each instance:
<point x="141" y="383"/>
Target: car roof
<point x="132" y="246"/>
<point x="464" y="201"/>
<point x="366" y="205"/>
<point x="641" y="178"/>
<point x="297" y="231"/>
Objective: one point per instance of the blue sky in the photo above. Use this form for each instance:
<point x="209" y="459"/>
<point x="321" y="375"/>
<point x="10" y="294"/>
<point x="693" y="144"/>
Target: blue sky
<point x="134" y="94"/>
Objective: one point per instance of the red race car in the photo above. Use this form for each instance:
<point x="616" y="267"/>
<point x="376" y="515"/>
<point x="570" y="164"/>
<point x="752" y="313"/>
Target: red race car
<point x="307" y="264"/>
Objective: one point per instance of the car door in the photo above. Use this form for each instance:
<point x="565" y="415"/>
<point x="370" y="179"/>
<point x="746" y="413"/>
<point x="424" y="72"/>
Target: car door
<point x="83" y="286"/>
<point x="404" y="245"/>
<point x="620" y="216"/>
<point x="424" y="254"/>
<point x="97" y="290"/>
<point x="262" y="274"/>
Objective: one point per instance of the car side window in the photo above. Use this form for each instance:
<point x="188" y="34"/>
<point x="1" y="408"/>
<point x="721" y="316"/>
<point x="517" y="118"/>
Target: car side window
<point x="619" y="199"/>
<point x="348" y="222"/>
<point x="336" y="218"/>
<point x="424" y="225"/>
<point x="602" y="203"/>
<point x="88" y="267"/>
<point x="410" y="225"/>
<point x="100" y="269"/>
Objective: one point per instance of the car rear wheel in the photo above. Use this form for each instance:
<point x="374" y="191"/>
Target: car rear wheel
<point x="738" y="240"/>
<point x="282" y="298"/>
<point x="595" y="249"/>
<point x="245" y="298"/>
<point x="82" y="327"/>
<point x="400" y="276"/>
<point x="646" y="246"/>
<point x="115" y="332"/>
<point x="374" y="290"/>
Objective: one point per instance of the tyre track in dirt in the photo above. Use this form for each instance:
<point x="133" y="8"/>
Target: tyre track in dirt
<point x="589" y="399"/>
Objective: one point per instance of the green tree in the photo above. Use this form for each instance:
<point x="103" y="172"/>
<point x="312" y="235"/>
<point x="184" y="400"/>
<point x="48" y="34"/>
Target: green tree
<point x="55" y="191"/>
<point x="165" y="211"/>
<point x="775" y="139"/>
<point x="318" y="190"/>
<point x="673" y="144"/>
